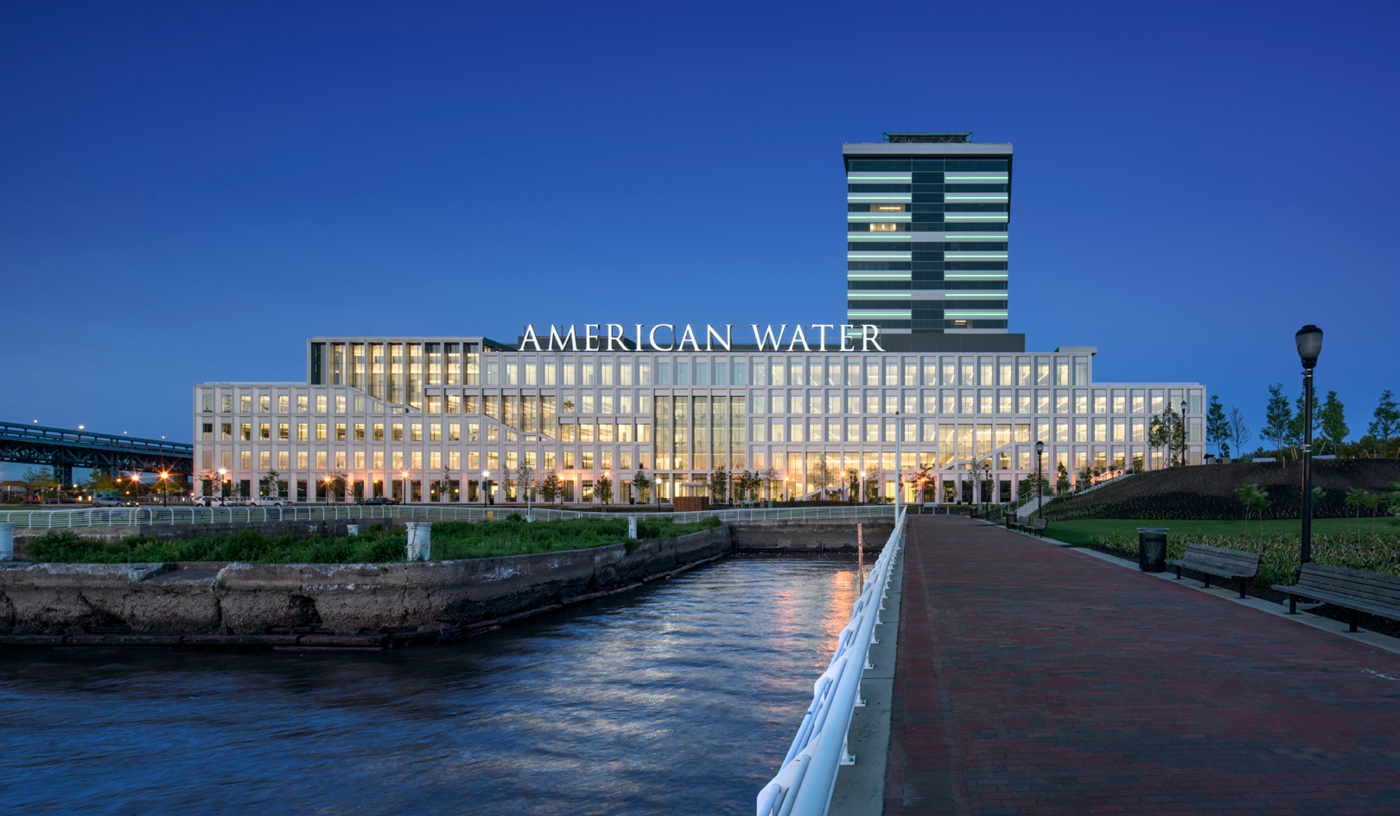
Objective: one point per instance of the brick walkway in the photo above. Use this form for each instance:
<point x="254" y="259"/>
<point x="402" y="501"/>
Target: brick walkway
<point x="1032" y="679"/>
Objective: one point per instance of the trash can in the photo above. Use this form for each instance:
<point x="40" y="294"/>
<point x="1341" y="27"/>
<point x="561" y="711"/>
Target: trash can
<point x="1152" y="549"/>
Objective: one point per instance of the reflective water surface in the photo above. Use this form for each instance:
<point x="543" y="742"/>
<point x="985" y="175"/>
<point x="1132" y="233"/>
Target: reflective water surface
<point x="678" y="698"/>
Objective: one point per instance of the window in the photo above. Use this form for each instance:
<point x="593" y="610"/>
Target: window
<point x="301" y="403"/>
<point x="226" y="404"/>
<point x="301" y="460"/>
<point x="359" y="431"/>
<point x="265" y="404"/>
<point x="397" y="458"/>
<point x="454" y="432"/>
<point x="301" y="431"/>
<point x="282" y="404"/>
<point x="340" y="431"/>
<point x="396" y="432"/>
<point x="378" y="460"/>
<point x="245" y="404"/>
<point x="435" y="432"/>
<point x="282" y="459"/>
<point x="245" y="431"/>
<point x="207" y="431"/>
<point x="284" y="431"/>
<point x="320" y="403"/>
<point x="415" y="431"/>
<point x="264" y="430"/>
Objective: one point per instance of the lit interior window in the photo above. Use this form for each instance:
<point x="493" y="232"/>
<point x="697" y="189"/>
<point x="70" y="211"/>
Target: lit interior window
<point x="889" y="208"/>
<point x="884" y="228"/>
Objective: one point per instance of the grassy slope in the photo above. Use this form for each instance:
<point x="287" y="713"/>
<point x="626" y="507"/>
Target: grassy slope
<point x="1207" y="492"/>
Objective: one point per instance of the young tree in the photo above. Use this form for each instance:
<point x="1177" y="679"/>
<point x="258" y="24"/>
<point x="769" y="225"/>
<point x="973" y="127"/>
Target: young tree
<point x="1386" y="423"/>
<point x="924" y="478"/>
<point x="1178" y="435"/>
<point x="549" y="486"/>
<point x="820" y="477"/>
<point x="872" y="484"/>
<point x="1218" y="427"/>
<point x="100" y="481"/>
<point x="525" y="480"/>
<point x="852" y="485"/>
<point x="1331" y="422"/>
<point x="1254" y="498"/>
<point x="1158" y="433"/>
<point x="1061" y="479"/>
<point x="1358" y="498"/>
<point x="270" y="483"/>
<point x="336" y="485"/>
<point x="719" y="482"/>
<point x="1239" y="432"/>
<point x="640" y="481"/>
<point x="770" y="476"/>
<point x="604" y="490"/>
<point x="1278" y="417"/>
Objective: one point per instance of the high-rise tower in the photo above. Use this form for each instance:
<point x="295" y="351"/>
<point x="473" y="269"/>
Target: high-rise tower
<point x="926" y="245"/>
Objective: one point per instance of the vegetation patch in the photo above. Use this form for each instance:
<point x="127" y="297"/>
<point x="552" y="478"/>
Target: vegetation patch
<point x="451" y="540"/>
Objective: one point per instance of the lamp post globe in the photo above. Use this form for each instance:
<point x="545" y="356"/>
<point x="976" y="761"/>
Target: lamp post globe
<point x="1309" y="342"/>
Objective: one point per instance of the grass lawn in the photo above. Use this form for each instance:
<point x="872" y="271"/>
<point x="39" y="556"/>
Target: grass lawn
<point x="1080" y="531"/>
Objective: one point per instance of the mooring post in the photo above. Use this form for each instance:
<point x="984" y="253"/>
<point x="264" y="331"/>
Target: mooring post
<point x="419" y="540"/>
<point x="7" y="542"/>
<point x="632" y="527"/>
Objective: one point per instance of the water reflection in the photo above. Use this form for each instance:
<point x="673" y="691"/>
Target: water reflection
<point x="680" y="698"/>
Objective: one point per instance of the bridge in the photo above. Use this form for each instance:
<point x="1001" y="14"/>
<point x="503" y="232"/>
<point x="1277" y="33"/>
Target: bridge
<point x="64" y="449"/>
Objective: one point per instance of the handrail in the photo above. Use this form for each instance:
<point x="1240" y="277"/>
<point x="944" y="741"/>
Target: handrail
<point x="804" y="782"/>
<point x="135" y="517"/>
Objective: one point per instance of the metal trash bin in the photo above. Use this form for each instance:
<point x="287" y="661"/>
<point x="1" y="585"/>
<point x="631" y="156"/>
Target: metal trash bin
<point x="1152" y="549"/>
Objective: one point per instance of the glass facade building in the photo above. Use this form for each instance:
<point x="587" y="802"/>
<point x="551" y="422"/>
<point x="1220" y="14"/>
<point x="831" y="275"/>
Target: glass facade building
<point x="927" y="220"/>
<point x="944" y="390"/>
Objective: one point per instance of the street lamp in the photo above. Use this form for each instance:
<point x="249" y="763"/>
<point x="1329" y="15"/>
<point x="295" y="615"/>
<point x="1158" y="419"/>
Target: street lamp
<point x="405" y="487"/>
<point x="164" y="489"/>
<point x="1039" y="499"/>
<point x="223" y="475"/>
<point x="1183" y="432"/>
<point x="987" y="484"/>
<point x="485" y="476"/>
<point x="1309" y="340"/>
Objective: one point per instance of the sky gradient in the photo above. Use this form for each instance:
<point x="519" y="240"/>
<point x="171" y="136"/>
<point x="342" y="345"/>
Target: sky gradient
<point x="189" y="192"/>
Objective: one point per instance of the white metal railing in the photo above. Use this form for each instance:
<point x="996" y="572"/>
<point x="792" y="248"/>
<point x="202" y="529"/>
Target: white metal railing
<point x="139" y="516"/>
<point x="807" y="776"/>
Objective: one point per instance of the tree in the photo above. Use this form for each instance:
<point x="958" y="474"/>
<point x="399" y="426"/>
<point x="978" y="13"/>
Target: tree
<point x="1332" y="423"/>
<point x="872" y="484"/>
<point x="821" y="476"/>
<point x="1358" y="498"/>
<point x="640" y="481"/>
<point x="335" y="485"/>
<point x="719" y="481"/>
<point x="770" y="476"/>
<point x="1062" y="479"/>
<point x="1278" y="417"/>
<point x="1218" y="427"/>
<point x="924" y="478"/>
<point x="549" y="486"/>
<point x="852" y="485"/>
<point x="38" y="481"/>
<point x="604" y="489"/>
<point x="100" y="481"/>
<point x="1254" y="498"/>
<point x="1386" y="423"/>
<point x="1239" y="432"/>
<point x="271" y="483"/>
<point x="1158" y="433"/>
<point x="1177" y="424"/>
<point x="525" y="481"/>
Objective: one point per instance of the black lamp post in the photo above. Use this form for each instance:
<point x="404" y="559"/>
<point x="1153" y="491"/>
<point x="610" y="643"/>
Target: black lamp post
<point x="1309" y="340"/>
<point x="1183" y="433"/>
<point x="1039" y="500"/>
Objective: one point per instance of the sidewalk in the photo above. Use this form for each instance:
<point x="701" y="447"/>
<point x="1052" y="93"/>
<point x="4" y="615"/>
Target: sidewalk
<point x="1032" y="679"/>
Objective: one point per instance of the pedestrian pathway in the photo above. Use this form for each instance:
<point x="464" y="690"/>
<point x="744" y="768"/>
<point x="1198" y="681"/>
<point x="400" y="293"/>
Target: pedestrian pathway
<point x="1032" y="679"/>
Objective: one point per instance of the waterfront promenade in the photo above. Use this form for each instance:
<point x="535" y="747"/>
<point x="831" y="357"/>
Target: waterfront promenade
<point x="1034" y="679"/>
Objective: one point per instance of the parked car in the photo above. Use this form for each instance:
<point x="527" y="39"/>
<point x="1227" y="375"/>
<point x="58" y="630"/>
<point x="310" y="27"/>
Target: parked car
<point x="107" y="501"/>
<point x="379" y="500"/>
<point x="209" y="501"/>
<point x="268" y="501"/>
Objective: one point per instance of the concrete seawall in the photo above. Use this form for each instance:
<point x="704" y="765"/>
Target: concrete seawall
<point x="242" y="604"/>
<point x="809" y="536"/>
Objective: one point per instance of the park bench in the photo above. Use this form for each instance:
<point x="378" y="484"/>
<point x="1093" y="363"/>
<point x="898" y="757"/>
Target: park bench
<point x="1353" y="590"/>
<point x="1035" y="526"/>
<point x="1219" y="561"/>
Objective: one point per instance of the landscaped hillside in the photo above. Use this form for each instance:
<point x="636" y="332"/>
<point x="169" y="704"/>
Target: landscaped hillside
<point x="1208" y="491"/>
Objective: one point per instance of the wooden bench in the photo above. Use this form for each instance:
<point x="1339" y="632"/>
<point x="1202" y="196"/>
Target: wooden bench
<point x="1353" y="590"/>
<point x="1035" y="526"/>
<point x="1219" y="561"/>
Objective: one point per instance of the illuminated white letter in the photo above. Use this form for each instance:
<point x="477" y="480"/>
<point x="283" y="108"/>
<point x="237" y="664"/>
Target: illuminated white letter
<point x="530" y="338"/>
<point x="652" y="336"/>
<point x="590" y="336"/>
<point x="556" y="343"/>
<point x="798" y="336"/>
<point x="767" y="337"/>
<point x="710" y="333"/>
<point x="821" y="346"/>
<point x="846" y="337"/>
<point x="868" y="333"/>
<point x="617" y="336"/>
<point x="688" y="335"/>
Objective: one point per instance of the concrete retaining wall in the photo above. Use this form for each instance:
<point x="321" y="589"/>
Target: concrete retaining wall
<point x="322" y="604"/>
<point x="808" y="536"/>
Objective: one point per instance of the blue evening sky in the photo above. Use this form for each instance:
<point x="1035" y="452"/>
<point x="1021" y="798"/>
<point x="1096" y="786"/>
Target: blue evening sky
<point x="188" y="192"/>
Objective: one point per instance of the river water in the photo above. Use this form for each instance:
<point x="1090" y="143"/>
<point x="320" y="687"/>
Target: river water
<point x="680" y="697"/>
